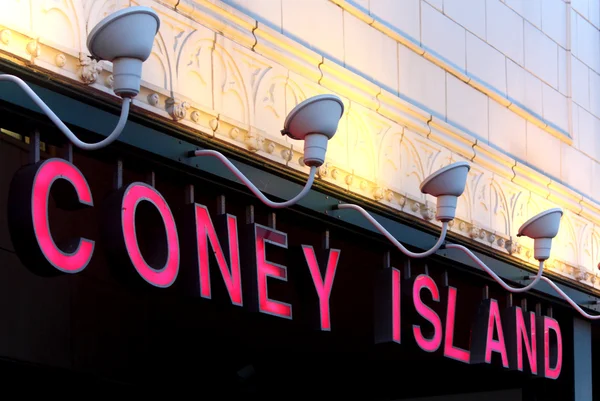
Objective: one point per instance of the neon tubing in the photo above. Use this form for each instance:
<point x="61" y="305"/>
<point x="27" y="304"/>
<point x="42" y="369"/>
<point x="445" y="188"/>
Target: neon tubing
<point x="569" y="300"/>
<point x="256" y="191"/>
<point x="391" y="237"/>
<point x="62" y="127"/>
<point x="497" y="279"/>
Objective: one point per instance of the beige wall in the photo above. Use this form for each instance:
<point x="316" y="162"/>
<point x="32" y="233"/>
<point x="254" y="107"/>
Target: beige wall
<point x="543" y="56"/>
<point x="406" y="72"/>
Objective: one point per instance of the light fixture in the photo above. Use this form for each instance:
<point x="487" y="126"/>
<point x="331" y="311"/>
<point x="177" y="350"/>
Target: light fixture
<point x="125" y="38"/>
<point x="542" y="228"/>
<point x="315" y="120"/>
<point x="446" y="184"/>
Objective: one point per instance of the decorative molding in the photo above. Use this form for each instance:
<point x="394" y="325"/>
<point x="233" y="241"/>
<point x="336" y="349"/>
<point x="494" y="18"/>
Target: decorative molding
<point x="216" y="73"/>
<point x="177" y="109"/>
<point x="60" y="60"/>
<point x="88" y="69"/>
<point x="5" y="36"/>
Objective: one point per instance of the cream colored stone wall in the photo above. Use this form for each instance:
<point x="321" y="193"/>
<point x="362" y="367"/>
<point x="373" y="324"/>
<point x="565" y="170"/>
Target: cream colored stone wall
<point x="467" y="61"/>
<point x="222" y="74"/>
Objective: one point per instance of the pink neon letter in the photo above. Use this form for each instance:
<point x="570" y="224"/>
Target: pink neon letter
<point x="530" y="345"/>
<point x="396" y="305"/>
<point x="492" y="345"/>
<point x="450" y="351"/>
<point x="429" y="345"/>
<point x="50" y="171"/>
<point x="266" y="269"/>
<point x="387" y="306"/>
<point x="551" y="324"/>
<point x="323" y="288"/>
<point x="206" y="230"/>
<point x="134" y="194"/>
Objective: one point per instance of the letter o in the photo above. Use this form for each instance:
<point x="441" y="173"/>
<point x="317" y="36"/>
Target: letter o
<point x="126" y="244"/>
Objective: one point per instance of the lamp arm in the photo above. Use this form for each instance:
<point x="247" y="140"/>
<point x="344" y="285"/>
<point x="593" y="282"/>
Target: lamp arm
<point x="393" y="240"/>
<point x="61" y="126"/>
<point x="252" y="187"/>
<point x="496" y="278"/>
<point x="569" y="300"/>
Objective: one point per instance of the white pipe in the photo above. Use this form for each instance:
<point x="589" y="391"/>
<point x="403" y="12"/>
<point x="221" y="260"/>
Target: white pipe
<point x="569" y="300"/>
<point x="494" y="275"/>
<point x="391" y="237"/>
<point x="535" y="279"/>
<point x="539" y="276"/>
<point x="62" y="127"/>
<point x="256" y="191"/>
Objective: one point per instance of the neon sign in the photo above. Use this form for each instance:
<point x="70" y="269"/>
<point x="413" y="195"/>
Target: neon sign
<point x="222" y="234"/>
<point x="505" y="333"/>
<point x="28" y="216"/>
<point x="519" y="340"/>
<point x="122" y="240"/>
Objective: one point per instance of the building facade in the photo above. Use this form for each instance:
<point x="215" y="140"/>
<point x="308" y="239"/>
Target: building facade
<point x="509" y="86"/>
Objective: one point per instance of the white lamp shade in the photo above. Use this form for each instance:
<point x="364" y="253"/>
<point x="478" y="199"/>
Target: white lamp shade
<point x="542" y="225"/>
<point x="447" y="181"/>
<point x="127" y="33"/>
<point x="317" y="115"/>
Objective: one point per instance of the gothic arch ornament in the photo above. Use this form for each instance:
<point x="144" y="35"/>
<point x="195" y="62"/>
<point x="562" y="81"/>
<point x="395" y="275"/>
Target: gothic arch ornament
<point x="412" y="171"/>
<point x="587" y="246"/>
<point x="360" y="145"/>
<point x="230" y="90"/>
<point x="160" y="58"/>
<point x="193" y="68"/>
<point x="63" y="22"/>
<point x="389" y="160"/>
<point x="479" y="190"/>
<point x="269" y="110"/>
<point x="294" y="94"/>
<point x="500" y="209"/>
